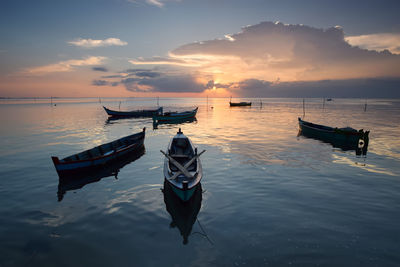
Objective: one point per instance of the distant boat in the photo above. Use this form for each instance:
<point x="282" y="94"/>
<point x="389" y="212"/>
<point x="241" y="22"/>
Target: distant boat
<point x="175" y="116"/>
<point x="100" y="155"/>
<point x="345" y="138"/>
<point x="133" y="113"/>
<point x="238" y="104"/>
<point x="329" y="99"/>
<point x="78" y="180"/>
<point x="183" y="214"/>
<point x="182" y="166"/>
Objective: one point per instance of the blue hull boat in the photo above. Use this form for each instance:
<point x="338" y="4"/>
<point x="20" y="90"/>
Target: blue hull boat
<point x="98" y="156"/>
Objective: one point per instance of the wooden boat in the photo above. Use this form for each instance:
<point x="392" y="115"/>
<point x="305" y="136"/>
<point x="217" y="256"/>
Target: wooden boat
<point x="134" y="113"/>
<point x="171" y="123"/>
<point x="100" y="155"/>
<point x="182" y="166"/>
<point x="238" y="104"/>
<point x="345" y="138"/>
<point x="80" y="179"/>
<point x="183" y="214"/>
<point x="175" y="116"/>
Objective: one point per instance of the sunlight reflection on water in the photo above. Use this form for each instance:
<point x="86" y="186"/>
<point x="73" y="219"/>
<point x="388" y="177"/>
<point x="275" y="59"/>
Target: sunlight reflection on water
<point x="269" y="195"/>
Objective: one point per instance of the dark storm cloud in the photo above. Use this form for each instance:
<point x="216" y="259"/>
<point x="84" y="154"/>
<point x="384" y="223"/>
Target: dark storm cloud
<point x="358" y="88"/>
<point x="99" y="82"/>
<point x="165" y="83"/>
<point x="102" y="69"/>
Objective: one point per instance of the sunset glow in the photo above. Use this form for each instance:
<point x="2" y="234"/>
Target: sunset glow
<point x="253" y="57"/>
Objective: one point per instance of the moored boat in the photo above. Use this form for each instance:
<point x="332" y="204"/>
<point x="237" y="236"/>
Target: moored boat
<point x="175" y="116"/>
<point x="100" y="155"/>
<point x="81" y="179"/>
<point x="238" y="104"/>
<point x="346" y="138"/>
<point x="134" y="113"/>
<point x="182" y="166"/>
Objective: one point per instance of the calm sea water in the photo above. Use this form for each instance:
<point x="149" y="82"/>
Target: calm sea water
<point x="269" y="197"/>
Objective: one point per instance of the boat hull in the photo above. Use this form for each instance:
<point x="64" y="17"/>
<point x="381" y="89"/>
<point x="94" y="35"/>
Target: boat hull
<point x="183" y="194"/>
<point x="240" y="104"/>
<point x="183" y="186"/>
<point x="175" y="116"/>
<point x="133" y="114"/>
<point x="347" y="140"/>
<point x="67" y="168"/>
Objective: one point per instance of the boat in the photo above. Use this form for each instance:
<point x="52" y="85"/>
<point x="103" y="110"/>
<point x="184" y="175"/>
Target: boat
<point x="96" y="157"/>
<point x="238" y="104"/>
<point x="182" y="166"/>
<point x="79" y="180"/>
<point x="175" y="116"/>
<point x="345" y="138"/>
<point x="171" y="124"/>
<point x="133" y="113"/>
<point x="183" y="214"/>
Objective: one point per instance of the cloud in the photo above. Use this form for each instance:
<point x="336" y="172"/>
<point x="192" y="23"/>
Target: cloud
<point x="370" y="87"/>
<point x="172" y="60"/>
<point x="99" y="82"/>
<point x="65" y="66"/>
<point x="378" y="42"/>
<point x="90" y="43"/>
<point x="164" y="83"/>
<point x="103" y="69"/>
<point x="157" y="3"/>
<point x="270" y="51"/>
<point x="104" y="83"/>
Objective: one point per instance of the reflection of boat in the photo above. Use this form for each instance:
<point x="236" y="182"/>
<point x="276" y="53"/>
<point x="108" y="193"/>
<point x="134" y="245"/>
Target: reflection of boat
<point x="344" y="138"/>
<point x="79" y="180"/>
<point x="183" y="214"/>
<point x="134" y="113"/>
<point x="175" y="116"/>
<point x="189" y="120"/>
<point x="182" y="166"/>
<point x="238" y="104"/>
<point x="100" y="155"/>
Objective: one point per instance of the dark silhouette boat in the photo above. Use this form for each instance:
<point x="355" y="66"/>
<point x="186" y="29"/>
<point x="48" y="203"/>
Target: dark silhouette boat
<point x="134" y="113"/>
<point x="80" y="179"/>
<point x="345" y="138"/>
<point x="175" y="116"/>
<point x="100" y="155"/>
<point x="238" y="104"/>
<point x="172" y="123"/>
<point x="183" y="214"/>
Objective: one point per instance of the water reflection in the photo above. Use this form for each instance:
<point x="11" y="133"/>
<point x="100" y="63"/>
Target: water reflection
<point x="171" y="124"/>
<point x="77" y="181"/>
<point x="183" y="214"/>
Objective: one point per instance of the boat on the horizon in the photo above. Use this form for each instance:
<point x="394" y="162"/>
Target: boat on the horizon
<point x="80" y="179"/>
<point x="183" y="214"/>
<point x="175" y="116"/>
<point x="238" y="104"/>
<point x="345" y="138"/>
<point x="133" y="113"/>
<point x="98" y="156"/>
<point x="182" y="166"/>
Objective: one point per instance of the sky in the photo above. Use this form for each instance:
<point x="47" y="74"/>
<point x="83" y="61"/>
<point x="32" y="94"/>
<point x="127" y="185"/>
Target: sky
<point x="187" y="48"/>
